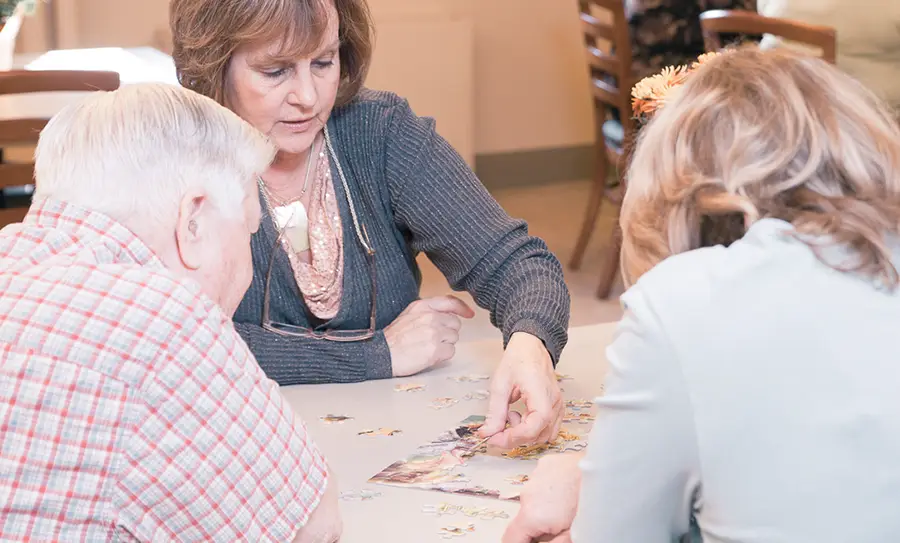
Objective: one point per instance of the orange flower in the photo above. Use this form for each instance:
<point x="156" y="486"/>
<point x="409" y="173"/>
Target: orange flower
<point x="702" y="59"/>
<point x="649" y="94"/>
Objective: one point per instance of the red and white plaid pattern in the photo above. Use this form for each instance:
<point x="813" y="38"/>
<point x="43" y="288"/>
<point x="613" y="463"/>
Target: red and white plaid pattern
<point x="129" y="406"/>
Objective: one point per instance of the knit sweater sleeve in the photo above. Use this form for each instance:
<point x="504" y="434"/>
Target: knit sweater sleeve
<point x="302" y="361"/>
<point x="449" y="215"/>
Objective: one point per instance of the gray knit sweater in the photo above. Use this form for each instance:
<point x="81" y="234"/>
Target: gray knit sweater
<point x="414" y="194"/>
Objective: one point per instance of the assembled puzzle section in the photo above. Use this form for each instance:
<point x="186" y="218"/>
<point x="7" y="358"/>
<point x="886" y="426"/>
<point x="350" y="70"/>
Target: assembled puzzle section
<point x="458" y="462"/>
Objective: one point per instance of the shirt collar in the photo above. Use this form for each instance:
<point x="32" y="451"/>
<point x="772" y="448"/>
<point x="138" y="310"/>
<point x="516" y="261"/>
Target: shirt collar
<point x="81" y="223"/>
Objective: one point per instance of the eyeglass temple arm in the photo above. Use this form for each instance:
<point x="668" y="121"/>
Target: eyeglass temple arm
<point x="265" y="314"/>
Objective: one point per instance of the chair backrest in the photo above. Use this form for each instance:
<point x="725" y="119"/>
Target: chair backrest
<point x="26" y="131"/>
<point x="611" y="27"/>
<point x="718" y="22"/>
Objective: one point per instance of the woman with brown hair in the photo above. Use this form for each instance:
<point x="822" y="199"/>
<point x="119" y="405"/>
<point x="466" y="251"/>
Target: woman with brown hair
<point x="359" y="187"/>
<point x="752" y="384"/>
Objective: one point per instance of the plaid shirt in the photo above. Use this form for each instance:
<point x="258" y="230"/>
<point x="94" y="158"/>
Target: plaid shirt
<point x="129" y="406"/>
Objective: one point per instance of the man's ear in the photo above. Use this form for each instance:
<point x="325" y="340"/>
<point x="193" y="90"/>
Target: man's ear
<point x="191" y="229"/>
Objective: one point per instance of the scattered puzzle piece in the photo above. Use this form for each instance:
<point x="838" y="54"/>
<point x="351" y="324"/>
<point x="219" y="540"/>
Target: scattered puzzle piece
<point x="470" y="378"/>
<point x="580" y="418"/>
<point x="562" y="377"/>
<point x="470" y="511"/>
<point x="335" y="419"/>
<point x="477" y="395"/>
<point x="491" y="514"/>
<point x="575" y="446"/>
<point x="440" y="509"/>
<point x="442" y="403"/>
<point x="578" y="405"/>
<point x="456" y="531"/>
<point x="517" y="480"/>
<point x="531" y="452"/>
<point x="362" y="495"/>
<point x="380" y="432"/>
<point x="409" y="387"/>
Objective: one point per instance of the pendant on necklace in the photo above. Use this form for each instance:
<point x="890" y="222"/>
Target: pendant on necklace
<point x="292" y="218"/>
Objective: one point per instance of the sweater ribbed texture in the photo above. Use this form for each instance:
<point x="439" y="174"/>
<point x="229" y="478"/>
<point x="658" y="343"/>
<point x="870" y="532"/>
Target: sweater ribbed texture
<point x="414" y="193"/>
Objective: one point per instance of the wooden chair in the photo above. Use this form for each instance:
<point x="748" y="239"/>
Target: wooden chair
<point x="614" y="138"/>
<point x="717" y="22"/>
<point x="18" y="178"/>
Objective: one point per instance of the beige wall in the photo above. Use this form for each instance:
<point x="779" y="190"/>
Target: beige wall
<point x="436" y="75"/>
<point x="530" y="84"/>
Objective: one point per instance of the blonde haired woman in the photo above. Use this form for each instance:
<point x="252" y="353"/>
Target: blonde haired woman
<point x="752" y="384"/>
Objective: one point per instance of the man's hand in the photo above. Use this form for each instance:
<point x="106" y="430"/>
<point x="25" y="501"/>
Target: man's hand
<point x="548" y="501"/>
<point x="324" y="524"/>
<point x="525" y="372"/>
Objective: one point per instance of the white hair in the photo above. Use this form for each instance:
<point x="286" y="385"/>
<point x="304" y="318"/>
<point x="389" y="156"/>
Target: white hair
<point x="135" y="152"/>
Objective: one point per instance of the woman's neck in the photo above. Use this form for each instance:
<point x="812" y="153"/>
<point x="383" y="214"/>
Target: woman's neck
<point x="287" y="175"/>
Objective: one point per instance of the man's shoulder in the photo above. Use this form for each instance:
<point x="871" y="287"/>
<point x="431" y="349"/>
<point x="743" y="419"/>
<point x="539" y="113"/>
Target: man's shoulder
<point x="111" y="315"/>
<point x="152" y="292"/>
<point x="184" y="316"/>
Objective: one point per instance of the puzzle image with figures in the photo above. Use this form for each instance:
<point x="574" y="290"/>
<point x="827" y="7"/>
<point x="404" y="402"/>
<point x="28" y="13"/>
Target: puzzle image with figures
<point x="447" y="464"/>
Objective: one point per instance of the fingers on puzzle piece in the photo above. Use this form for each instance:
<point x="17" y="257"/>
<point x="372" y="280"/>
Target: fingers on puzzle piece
<point x="380" y="432"/>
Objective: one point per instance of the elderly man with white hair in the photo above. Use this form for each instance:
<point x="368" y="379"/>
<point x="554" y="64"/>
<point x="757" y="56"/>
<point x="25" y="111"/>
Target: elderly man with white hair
<point x="129" y="406"/>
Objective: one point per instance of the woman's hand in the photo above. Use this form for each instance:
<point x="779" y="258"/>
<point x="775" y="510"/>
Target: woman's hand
<point x="525" y="372"/>
<point x="425" y="333"/>
<point x="548" y="501"/>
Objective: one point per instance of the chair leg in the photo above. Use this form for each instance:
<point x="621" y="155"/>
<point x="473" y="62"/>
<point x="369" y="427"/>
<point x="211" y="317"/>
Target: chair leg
<point x="609" y="268"/>
<point x="593" y="207"/>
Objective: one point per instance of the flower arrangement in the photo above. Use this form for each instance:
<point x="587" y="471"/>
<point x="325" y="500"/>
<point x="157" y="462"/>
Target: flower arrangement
<point x="649" y="94"/>
<point x="10" y="7"/>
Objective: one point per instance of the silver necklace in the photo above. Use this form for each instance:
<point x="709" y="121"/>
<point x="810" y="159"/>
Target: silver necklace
<point x="361" y="234"/>
<point x="269" y="196"/>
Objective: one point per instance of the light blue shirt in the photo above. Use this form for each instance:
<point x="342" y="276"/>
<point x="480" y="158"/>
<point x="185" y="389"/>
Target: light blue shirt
<point x="756" y="388"/>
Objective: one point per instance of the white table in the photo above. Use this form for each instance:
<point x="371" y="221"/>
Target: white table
<point x="137" y="65"/>
<point x="397" y="515"/>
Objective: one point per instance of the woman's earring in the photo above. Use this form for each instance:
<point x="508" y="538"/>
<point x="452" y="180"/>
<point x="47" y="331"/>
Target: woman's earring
<point x="192" y="227"/>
